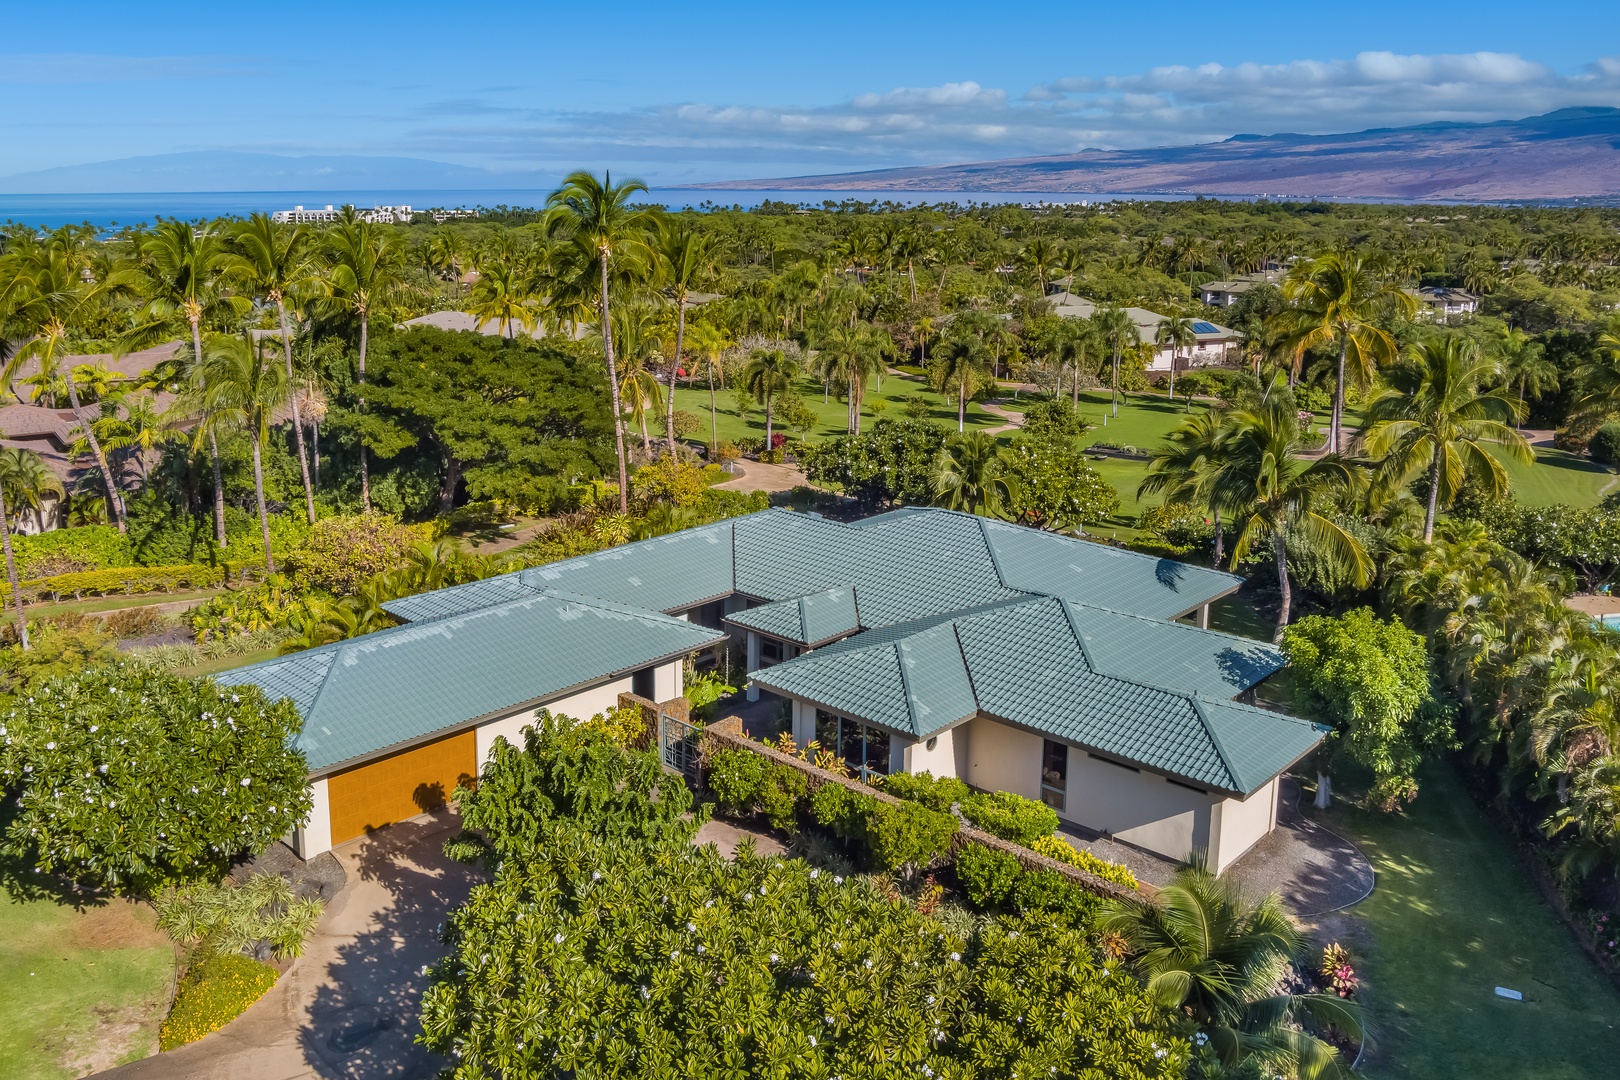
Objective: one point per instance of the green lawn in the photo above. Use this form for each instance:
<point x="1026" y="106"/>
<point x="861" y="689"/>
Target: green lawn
<point x="226" y="663"/>
<point x="113" y="603"/>
<point x="1559" y="477"/>
<point x="79" y="991"/>
<point x="831" y="412"/>
<point x="1452" y="918"/>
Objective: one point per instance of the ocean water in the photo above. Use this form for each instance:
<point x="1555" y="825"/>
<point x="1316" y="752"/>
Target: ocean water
<point x="114" y="210"/>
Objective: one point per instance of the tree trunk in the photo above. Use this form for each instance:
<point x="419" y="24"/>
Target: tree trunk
<point x="258" y="493"/>
<point x="452" y="480"/>
<point x="298" y="426"/>
<point x="680" y="338"/>
<point x="365" y="472"/>
<point x="1220" y="540"/>
<point x="1434" y="498"/>
<point x="1114" y="390"/>
<point x="115" y="500"/>
<point x="613" y="388"/>
<point x="219" y="488"/>
<point x="961" y="407"/>
<point x="1172" y="374"/>
<point x="767" y="422"/>
<point x="1336" y="428"/>
<point x="315" y="452"/>
<point x="714" y="420"/>
<point x="11" y="573"/>
<point x="1281" y="550"/>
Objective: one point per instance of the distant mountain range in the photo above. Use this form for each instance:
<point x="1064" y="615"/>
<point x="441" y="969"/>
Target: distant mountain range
<point x="231" y="170"/>
<point x="1568" y="154"/>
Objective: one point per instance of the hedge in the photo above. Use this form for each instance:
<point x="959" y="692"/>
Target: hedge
<point x="212" y="994"/>
<point x="1055" y="847"/>
<point x="128" y="580"/>
<point x="97" y="547"/>
<point x="1011" y="817"/>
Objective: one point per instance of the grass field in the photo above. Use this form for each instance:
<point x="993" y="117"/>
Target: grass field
<point x="113" y="603"/>
<point x="79" y="991"/>
<point x="1452" y="918"/>
<point x="1559" y="477"/>
<point x="226" y="663"/>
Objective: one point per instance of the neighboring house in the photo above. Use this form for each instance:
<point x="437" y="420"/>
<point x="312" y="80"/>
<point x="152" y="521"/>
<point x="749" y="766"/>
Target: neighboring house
<point x="1215" y="344"/>
<point x="1443" y="303"/>
<point x="917" y="639"/>
<point x="1226" y="293"/>
<point x="299" y="216"/>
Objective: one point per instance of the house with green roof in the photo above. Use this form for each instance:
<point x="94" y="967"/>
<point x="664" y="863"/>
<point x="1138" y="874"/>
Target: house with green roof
<point x="920" y="639"/>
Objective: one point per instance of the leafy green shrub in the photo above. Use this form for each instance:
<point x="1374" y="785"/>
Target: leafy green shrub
<point x="342" y="552"/>
<point x="735" y="777"/>
<point x="124" y="580"/>
<point x="212" y="994"/>
<point x="934" y="792"/>
<point x="704" y="692"/>
<point x="1054" y="418"/>
<point x="1052" y="487"/>
<point x="1178" y="525"/>
<point x="1011" y="817"/>
<point x="908" y="836"/>
<point x="843" y="810"/>
<point x="265" y="606"/>
<point x="1055" y="847"/>
<point x="92" y="547"/>
<point x="129" y="779"/>
<point x="987" y="876"/>
<point x="60" y="647"/>
<point x="1159" y="549"/>
<point x="1605" y="444"/>
<point x="779" y="794"/>
<point x="1050" y="893"/>
<point x="232" y="918"/>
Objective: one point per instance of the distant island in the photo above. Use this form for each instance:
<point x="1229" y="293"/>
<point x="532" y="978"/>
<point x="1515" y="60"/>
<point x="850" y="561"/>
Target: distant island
<point x="1568" y="154"/>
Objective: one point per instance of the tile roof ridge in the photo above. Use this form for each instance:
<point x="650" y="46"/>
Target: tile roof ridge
<point x="1215" y="741"/>
<point x="1188" y="694"/>
<point x="1167" y="622"/>
<point x="905" y="683"/>
<point x="326" y="679"/>
<point x="1079" y="638"/>
<point x="589" y="601"/>
<point x="990" y="549"/>
<point x="967" y="668"/>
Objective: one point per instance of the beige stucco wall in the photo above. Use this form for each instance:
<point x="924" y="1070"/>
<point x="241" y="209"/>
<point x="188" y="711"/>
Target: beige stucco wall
<point x="316" y="834"/>
<point x="804" y="722"/>
<point x="940" y="761"/>
<point x="1002" y="758"/>
<point x="1141" y="808"/>
<point x="1236" y="825"/>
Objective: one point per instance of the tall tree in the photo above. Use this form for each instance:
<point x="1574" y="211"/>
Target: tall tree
<point x="504" y="292"/>
<point x="769" y="373"/>
<point x="686" y="263"/>
<point x="1271" y="490"/>
<point x="601" y="218"/>
<point x="1434" y="416"/>
<point x="708" y="346"/>
<point x="1120" y="333"/>
<point x="11" y="570"/>
<point x="28" y="481"/>
<point x="1523" y="365"/>
<point x="242" y="387"/>
<point x="1183" y="469"/>
<point x="959" y="368"/>
<point x="276" y="264"/>
<point x="367" y="263"/>
<point x="1337" y="298"/>
<point x="1176" y="332"/>
<point x="969" y="475"/>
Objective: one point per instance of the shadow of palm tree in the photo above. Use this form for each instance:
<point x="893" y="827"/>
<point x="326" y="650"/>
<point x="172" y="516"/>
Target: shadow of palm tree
<point x="365" y="1018"/>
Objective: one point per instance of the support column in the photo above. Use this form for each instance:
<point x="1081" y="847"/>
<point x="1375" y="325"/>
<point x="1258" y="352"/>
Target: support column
<point x="752" y="650"/>
<point x="1203" y="617"/>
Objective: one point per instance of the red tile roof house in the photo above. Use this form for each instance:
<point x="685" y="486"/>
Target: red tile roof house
<point x="920" y="639"/>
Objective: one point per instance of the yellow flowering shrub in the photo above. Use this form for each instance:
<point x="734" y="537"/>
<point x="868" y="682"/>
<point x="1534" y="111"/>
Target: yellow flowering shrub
<point x="1055" y="847"/>
<point x="213" y="993"/>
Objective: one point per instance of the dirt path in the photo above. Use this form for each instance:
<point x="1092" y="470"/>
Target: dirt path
<point x="758" y="476"/>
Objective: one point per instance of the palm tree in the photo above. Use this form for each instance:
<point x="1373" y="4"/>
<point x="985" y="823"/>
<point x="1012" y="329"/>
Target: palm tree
<point x="686" y="261"/>
<point x="1211" y="952"/>
<point x="28" y="481"/>
<point x="1336" y="298"/>
<point x="1522" y="364"/>
<point x="968" y="475"/>
<point x="142" y="429"/>
<point x="959" y="367"/>
<point x="448" y="254"/>
<point x="179" y="277"/>
<point x="769" y="372"/>
<point x="11" y="571"/>
<point x="242" y="387"/>
<point x="1040" y="256"/>
<point x="46" y="297"/>
<point x="1177" y="332"/>
<point x="1433" y="415"/>
<point x="1071" y="261"/>
<point x="1270" y="490"/>
<point x="1183" y="468"/>
<point x="1119" y="332"/>
<point x="709" y="345"/>
<point x="277" y="263"/>
<point x="504" y="293"/>
<point x="848" y="355"/>
<point x="367" y="262"/>
<point x="599" y="216"/>
<point x="1599" y="379"/>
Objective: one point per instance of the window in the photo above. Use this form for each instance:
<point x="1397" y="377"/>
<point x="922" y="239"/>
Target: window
<point x="864" y="747"/>
<point x="1054" y="774"/>
<point x="771" y="651"/>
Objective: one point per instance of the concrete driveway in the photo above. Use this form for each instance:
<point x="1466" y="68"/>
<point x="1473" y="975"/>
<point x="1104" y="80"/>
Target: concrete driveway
<point x="348" y="1007"/>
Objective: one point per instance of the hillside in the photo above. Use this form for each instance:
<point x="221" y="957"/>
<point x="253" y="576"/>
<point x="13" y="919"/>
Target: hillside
<point x="1571" y="153"/>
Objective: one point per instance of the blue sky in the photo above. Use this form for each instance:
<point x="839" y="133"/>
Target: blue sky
<point x="680" y="92"/>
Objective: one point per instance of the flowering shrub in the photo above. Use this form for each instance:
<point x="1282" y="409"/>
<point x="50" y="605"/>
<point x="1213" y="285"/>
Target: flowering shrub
<point x="1337" y="972"/>
<point x="1055" y="847"/>
<point x="129" y="779"/>
<point x="212" y="994"/>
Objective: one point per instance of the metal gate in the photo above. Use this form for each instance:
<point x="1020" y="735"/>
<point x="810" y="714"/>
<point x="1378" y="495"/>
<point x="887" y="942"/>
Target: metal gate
<point x="678" y="743"/>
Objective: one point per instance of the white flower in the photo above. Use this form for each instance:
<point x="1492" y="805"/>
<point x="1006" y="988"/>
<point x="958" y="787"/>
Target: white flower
<point x="596" y="875"/>
<point x="102" y="769"/>
<point x="812" y="1041"/>
<point x="1200" y="1038"/>
<point x="50" y="746"/>
<point x="837" y="880"/>
<point x="956" y="956"/>
<point x="868" y="965"/>
<point x="774" y="958"/>
<point x="690" y="927"/>
<point x="813" y="874"/>
<point x="1159" y="1054"/>
<point x="558" y="939"/>
<point x="246" y="781"/>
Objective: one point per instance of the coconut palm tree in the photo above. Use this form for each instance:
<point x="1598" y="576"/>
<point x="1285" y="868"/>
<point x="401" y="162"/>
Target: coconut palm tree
<point x="1211" y="952"/>
<point x="1182" y="470"/>
<point x="366" y="266"/>
<point x="276" y="264"/>
<point x="959" y="368"/>
<point x="1177" y="333"/>
<point x="1434" y="416"/>
<point x="1337" y="298"/>
<point x="1041" y="257"/>
<point x="28" y="481"/>
<point x="1599" y="379"/>
<point x="448" y="254"/>
<point x="242" y="387"/>
<point x="599" y="216"/>
<point x="708" y="346"/>
<point x="45" y="298"/>
<point x="1119" y="333"/>
<point x="685" y="260"/>
<point x="1269" y="490"/>
<point x="769" y="372"/>
<point x="504" y="293"/>
<point x="179" y="277"/>
<point x="967" y="475"/>
<point x="141" y="429"/>
<point x="1520" y="359"/>
<point x="849" y="355"/>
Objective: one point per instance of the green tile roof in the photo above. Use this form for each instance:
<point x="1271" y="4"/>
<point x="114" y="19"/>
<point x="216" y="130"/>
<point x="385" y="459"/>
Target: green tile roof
<point x="398" y="685"/>
<point x="1145" y="691"/>
<point x="805" y="620"/>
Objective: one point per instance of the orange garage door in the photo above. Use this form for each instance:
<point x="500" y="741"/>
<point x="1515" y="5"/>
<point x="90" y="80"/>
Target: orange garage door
<point x="399" y="786"/>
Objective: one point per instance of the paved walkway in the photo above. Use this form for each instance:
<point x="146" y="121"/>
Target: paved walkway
<point x="348" y="1007"/>
<point x="1316" y="870"/>
<point x="759" y="476"/>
